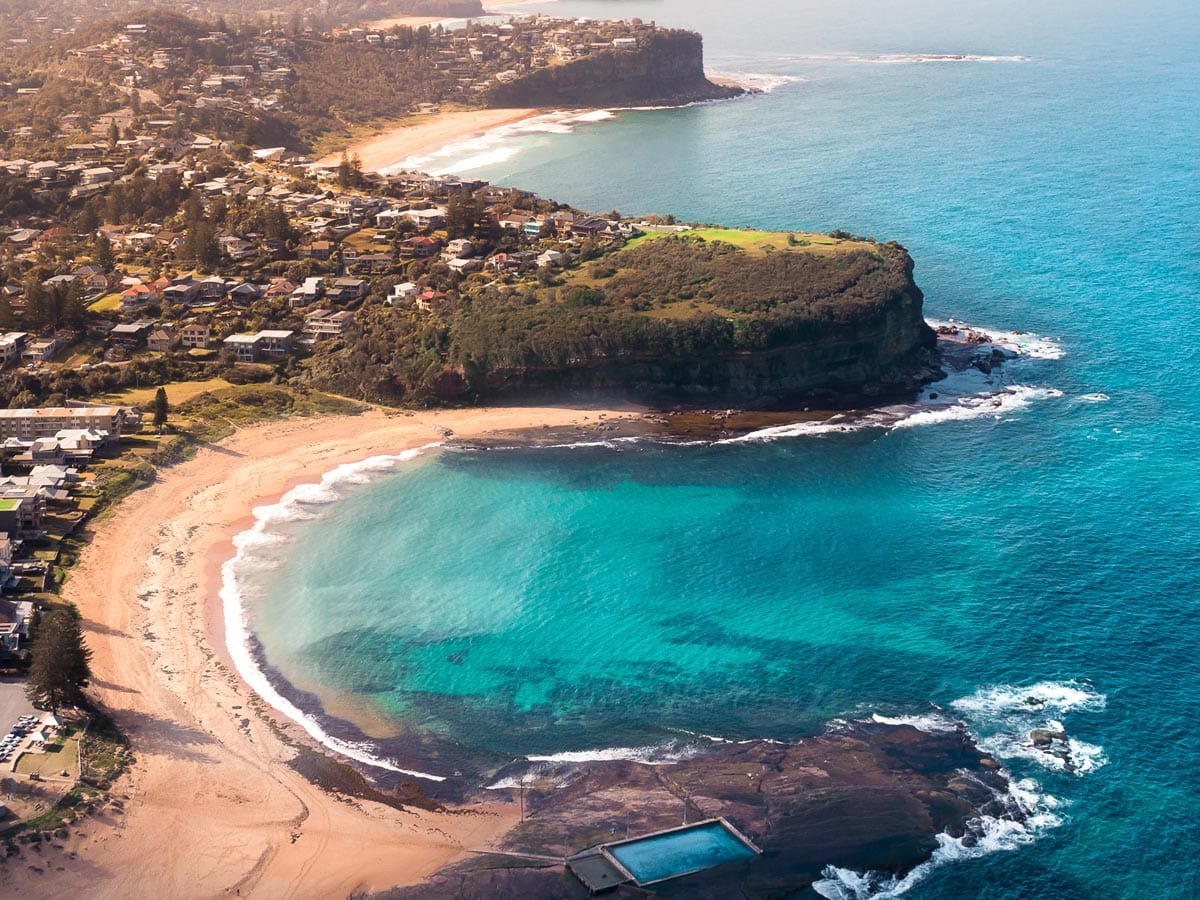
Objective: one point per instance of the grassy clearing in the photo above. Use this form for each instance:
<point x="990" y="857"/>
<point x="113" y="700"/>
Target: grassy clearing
<point x="107" y="303"/>
<point x="177" y="392"/>
<point x="61" y="756"/>
<point x="758" y="243"/>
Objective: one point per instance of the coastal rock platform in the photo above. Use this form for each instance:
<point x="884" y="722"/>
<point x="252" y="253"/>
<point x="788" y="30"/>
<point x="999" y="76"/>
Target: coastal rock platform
<point x="863" y="796"/>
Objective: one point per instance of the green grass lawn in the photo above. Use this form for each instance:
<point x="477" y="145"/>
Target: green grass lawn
<point x="107" y="303"/>
<point x="762" y="242"/>
<point x="61" y="754"/>
<point x="177" y="392"/>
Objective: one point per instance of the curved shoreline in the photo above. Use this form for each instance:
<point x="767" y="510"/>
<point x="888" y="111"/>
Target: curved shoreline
<point x="239" y="641"/>
<point x="211" y="805"/>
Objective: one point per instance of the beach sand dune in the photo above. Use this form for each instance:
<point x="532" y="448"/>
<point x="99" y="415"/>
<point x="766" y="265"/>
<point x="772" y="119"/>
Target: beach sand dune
<point x="211" y="807"/>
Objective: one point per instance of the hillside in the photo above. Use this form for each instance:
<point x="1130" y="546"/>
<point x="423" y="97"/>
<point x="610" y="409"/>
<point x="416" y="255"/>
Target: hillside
<point x="674" y="318"/>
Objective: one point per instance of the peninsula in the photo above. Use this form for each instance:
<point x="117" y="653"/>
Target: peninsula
<point x="196" y="313"/>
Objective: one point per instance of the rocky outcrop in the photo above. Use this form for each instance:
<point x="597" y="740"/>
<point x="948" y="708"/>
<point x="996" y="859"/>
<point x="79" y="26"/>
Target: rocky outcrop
<point x="874" y="352"/>
<point x="667" y="69"/>
<point x="865" y="797"/>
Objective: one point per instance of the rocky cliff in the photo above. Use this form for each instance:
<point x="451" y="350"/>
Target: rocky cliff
<point x="871" y="342"/>
<point x="667" y="69"/>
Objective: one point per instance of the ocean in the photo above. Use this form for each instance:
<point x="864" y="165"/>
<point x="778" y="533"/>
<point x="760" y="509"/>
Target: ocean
<point x="1011" y="566"/>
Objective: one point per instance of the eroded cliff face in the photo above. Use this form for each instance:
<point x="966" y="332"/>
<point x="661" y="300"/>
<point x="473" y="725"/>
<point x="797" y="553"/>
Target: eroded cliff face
<point x="666" y="69"/>
<point x="888" y="351"/>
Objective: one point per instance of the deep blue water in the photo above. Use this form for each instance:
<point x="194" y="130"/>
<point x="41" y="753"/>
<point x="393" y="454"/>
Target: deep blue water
<point x="541" y="601"/>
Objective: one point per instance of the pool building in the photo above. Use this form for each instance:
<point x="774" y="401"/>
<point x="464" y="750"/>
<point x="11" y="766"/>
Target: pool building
<point x="661" y="856"/>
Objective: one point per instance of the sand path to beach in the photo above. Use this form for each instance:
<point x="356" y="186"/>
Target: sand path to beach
<point x="212" y="809"/>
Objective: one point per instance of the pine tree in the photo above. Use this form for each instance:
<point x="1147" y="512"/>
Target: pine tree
<point x="160" y="409"/>
<point x="60" y="669"/>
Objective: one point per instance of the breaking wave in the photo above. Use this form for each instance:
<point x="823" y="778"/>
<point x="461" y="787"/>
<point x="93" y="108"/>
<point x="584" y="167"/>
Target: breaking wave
<point x="296" y="505"/>
<point x="1027" y="813"/>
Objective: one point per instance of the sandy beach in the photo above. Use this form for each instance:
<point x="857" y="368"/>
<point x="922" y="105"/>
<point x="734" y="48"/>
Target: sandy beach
<point x="406" y="22"/>
<point x="210" y="807"/>
<point x="422" y="134"/>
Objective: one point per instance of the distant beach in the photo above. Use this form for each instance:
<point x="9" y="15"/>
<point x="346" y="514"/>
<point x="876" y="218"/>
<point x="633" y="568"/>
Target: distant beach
<point x="422" y="134"/>
<point x="212" y="800"/>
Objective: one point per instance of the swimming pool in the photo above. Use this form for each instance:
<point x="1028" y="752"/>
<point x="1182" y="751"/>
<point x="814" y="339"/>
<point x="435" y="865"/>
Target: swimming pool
<point x="692" y="848"/>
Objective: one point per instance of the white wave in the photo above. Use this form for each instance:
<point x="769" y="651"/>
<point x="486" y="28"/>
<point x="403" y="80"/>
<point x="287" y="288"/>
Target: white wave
<point x="897" y="58"/>
<point x="931" y="723"/>
<point x="996" y="405"/>
<point x="1005" y="716"/>
<point x="1072" y="755"/>
<point x="1093" y="398"/>
<point x="1003" y="700"/>
<point x="656" y="755"/>
<point x="1022" y="343"/>
<point x="233" y="593"/>
<point x="1029" y="814"/>
<point x="756" y="80"/>
<point x="495" y="145"/>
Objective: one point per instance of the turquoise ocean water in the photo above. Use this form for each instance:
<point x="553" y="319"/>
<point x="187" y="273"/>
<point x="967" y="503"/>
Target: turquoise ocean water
<point x="497" y="604"/>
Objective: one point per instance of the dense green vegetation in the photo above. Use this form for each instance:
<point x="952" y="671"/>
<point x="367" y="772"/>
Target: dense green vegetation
<point x="60" y="669"/>
<point x="674" y="298"/>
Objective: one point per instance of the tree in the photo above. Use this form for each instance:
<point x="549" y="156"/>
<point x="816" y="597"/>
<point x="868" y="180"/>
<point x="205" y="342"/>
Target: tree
<point x="103" y="253"/>
<point x="61" y="662"/>
<point x="160" y="409"/>
<point x="349" y="172"/>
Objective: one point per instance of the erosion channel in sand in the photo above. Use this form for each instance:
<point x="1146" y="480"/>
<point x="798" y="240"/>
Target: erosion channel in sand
<point x="211" y="806"/>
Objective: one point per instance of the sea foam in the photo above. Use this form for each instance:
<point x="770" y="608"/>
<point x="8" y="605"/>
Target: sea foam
<point x="296" y="505"/>
<point x="1029" y="813"/>
<point x="496" y="145"/>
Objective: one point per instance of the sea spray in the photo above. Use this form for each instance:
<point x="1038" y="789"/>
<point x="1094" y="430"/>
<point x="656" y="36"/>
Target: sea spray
<point x="238" y="640"/>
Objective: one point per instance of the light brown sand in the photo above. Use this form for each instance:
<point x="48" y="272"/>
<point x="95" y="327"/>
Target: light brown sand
<point x="418" y="135"/>
<point x="212" y="808"/>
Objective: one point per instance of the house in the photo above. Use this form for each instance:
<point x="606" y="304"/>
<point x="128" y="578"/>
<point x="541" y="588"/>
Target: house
<point x="17" y="615"/>
<point x="242" y="347"/>
<point x="131" y="335"/>
<point x="317" y="250"/>
<point x="427" y="218"/>
<point x="180" y="293"/>
<point x="250" y="347"/>
<point x="420" y="247"/>
<point x="22" y="511"/>
<point x="160" y="340"/>
<point x="591" y="226"/>
<point x="194" y="335"/>
<point x="95" y="279"/>
<point x="373" y="263"/>
<point x="236" y="248"/>
<point x="311" y="291"/>
<point x="41" y="350"/>
<point x="275" y="342"/>
<point x="136" y="296"/>
<point x="212" y="289"/>
<point x="280" y="287"/>
<point x="347" y="290"/>
<point x="12" y="345"/>
<point x="322" y="323"/>
<point x="406" y="290"/>
<point x="43" y="171"/>
<point x="427" y="300"/>
<point x="507" y="262"/>
<point x="550" y="258"/>
<point x="98" y="175"/>
<point x="516" y="222"/>
<point x="465" y="266"/>
<point x="459" y="248"/>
